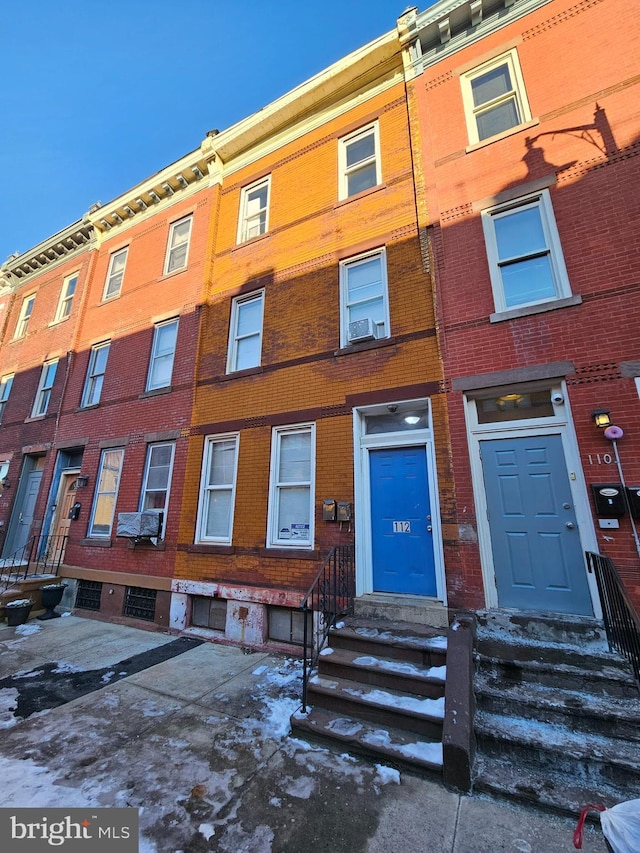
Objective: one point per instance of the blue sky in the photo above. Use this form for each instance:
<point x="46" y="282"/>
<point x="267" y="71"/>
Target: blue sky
<point x="98" y="96"/>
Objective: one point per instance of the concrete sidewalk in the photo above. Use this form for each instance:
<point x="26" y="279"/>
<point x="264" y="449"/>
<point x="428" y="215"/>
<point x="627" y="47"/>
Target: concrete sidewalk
<point x="196" y="737"/>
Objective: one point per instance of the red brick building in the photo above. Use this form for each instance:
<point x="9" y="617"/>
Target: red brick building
<point x="527" y="185"/>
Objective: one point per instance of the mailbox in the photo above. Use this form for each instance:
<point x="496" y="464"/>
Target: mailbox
<point x="328" y="510"/>
<point x="633" y="494"/>
<point x="344" y="511"/>
<point x="609" y="499"/>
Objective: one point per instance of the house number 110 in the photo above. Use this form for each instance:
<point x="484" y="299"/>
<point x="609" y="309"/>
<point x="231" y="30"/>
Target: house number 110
<point x="605" y="458"/>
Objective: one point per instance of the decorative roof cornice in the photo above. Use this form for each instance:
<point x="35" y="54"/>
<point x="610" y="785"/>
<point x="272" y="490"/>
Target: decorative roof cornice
<point x="52" y="251"/>
<point x="451" y="25"/>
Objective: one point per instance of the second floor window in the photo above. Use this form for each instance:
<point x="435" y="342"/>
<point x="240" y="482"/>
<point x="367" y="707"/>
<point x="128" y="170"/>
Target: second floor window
<point x="178" y="245"/>
<point x="43" y="394"/>
<point x="115" y="274"/>
<point x="359" y="161"/>
<point x="104" y="501"/>
<point x="165" y="336"/>
<point x="66" y="298"/>
<point x="25" y="314"/>
<point x="5" y="389"/>
<point x="254" y="210"/>
<point x="363" y="295"/>
<point x="95" y="374"/>
<point x="245" y="335"/>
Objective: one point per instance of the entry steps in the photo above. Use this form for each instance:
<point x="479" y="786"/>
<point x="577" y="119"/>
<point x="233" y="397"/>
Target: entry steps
<point x="379" y="691"/>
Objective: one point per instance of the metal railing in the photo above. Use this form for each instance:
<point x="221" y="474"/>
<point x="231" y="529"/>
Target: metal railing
<point x="39" y="554"/>
<point x="330" y="595"/>
<point x="621" y="620"/>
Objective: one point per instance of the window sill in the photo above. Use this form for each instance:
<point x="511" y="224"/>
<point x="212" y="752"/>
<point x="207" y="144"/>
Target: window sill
<point x="146" y="545"/>
<point x="172" y="273"/>
<point x="517" y="129"/>
<point x="292" y="554"/>
<point x="96" y="543"/>
<point x="540" y="308"/>
<point x="33" y="418"/>
<point x="57" y="322"/>
<point x="106" y="299"/>
<point x="87" y="408"/>
<point x="155" y="392"/>
<point x="212" y="548"/>
<point x="251" y="241"/>
<point x="364" y="346"/>
<point x="357" y="196"/>
<point x="238" y="374"/>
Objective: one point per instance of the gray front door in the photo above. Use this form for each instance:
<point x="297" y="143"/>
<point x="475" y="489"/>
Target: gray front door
<point x="22" y="515"/>
<point x="537" y="554"/>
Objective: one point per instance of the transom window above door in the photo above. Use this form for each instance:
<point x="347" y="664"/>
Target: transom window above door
<point x="513" y="405"/>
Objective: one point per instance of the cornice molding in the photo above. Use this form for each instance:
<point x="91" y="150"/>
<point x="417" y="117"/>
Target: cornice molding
<point x="51" y="252"/>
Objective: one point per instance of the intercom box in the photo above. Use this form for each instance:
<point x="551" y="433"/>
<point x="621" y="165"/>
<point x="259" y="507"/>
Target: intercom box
<point x="609" y="499"/>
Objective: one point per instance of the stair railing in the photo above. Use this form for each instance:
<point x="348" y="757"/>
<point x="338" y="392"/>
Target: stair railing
<point x="621" y="620"/>
<point x="38" y="554"/>
<point x="330" y="595"/>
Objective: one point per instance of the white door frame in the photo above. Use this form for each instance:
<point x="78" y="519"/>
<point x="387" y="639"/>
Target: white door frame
<point x="362" y="444"/>
<point x="561" y="423"/>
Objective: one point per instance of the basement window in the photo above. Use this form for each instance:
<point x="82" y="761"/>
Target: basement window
<point x="140" y="603"/>
<point x="209" y="612"/>
<point x="88" y="595"/>
<point x="287" y="626"/>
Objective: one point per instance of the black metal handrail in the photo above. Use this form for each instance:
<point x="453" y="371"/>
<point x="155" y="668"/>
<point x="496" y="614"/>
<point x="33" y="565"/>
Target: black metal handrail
<point x="621" y="620"/>
<point x="330" y="595"/>
<point x="38" y="554"/>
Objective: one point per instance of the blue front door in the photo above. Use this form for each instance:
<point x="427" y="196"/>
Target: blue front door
<point x="401" y="537"/>
<point x="537" y="554"/>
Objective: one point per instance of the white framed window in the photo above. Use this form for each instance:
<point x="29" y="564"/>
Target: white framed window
<point x="115" y="274"/>
<point x="25" y="314"/>
<point x="524" y="252"/>
<point x="6" y="384"/>
<point x="66" y="297"/>
<point x="494" y="97"/>
<point x="359" y="161"/>
<point x="364" y="303"/>
<point x="217" y="489"/>
<point x="254" y="210"/>
<point x="104" y="499"/>
<point x="43" y="394"/>
<point x="165" y="336"/>
<point x="95" y="374"/>
<point x="245" y="332"/>
<point x="156" y="482"/>
<point x="178" y="245"/>
<point x="291" y="489"/>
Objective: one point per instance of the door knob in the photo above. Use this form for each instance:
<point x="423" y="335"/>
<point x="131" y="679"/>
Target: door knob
<point x="570" y="525"/>
<point x="429" y="528"/>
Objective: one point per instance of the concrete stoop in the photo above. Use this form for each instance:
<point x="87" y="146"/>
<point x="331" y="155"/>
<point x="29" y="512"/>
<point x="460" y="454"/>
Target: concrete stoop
<point x="558" y="716"/>
<point x="379" y="691"/>
<point x="28" y="587"/>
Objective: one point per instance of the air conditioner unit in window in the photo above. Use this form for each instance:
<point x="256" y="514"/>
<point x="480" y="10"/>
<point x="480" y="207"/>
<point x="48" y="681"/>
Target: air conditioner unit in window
<point x="362" y="330"/>
<point x="139" y="525"/>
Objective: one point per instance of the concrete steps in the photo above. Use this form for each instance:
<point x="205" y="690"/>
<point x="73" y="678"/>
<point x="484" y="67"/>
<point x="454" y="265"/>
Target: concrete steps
<point x="379" y="691"/>
<point x="558" y="716"/>
<point x="28" y="587"/>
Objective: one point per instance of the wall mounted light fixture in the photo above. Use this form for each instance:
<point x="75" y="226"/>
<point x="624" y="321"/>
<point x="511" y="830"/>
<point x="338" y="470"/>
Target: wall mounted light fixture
<point x="601" y="418"/>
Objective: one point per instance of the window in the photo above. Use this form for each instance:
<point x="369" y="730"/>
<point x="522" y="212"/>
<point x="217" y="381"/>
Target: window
<point x="5" y="389"/>
<point x="178" y="245"/>
<point x="140" y="603"/>
<point x="245" y="335"/>
<point x="494" y="97"/>
<point x="89" y="594"/>
<point x="95" y="374"/>
<point x="254" y="210"/>
<point x="104" y="501"/>
<point x="287" y="626"/>
<point x="525" y="257"/>
<point x="209" y="612"/>
<point x="217" y="489"/>
<point x="291" y="490"/>
<point x="359" y="161"/>
<point x="157" y="479"/>
<point x="25" y="314"/>
<point x="115" y="274"/>
<point x="66" y="298"/>
<point x="363" y="296"/>
<point x="162" y="352"/>
<point x="43" y="394"/>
